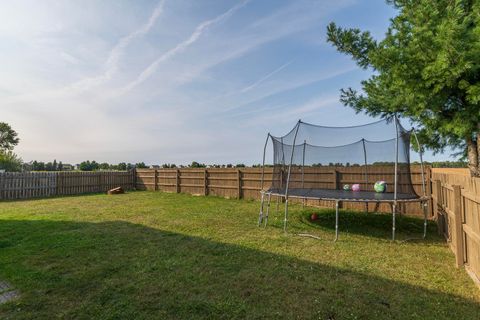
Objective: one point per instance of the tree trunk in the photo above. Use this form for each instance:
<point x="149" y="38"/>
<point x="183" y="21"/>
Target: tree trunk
<point x="473" y="152"/>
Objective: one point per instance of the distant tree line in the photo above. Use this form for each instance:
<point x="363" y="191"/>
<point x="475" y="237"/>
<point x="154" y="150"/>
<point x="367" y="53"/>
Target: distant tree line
<point x="42" y="166"/>
<point x="95" y="166"/>
<point x="433" y="164"/>
<point x="83" y="166"/>
<point x="196" y="164"/>
<point x="446" y="164"/>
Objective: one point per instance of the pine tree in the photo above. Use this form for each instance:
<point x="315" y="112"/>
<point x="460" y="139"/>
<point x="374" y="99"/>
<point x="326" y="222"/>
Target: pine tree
<point x="426" y="69"/>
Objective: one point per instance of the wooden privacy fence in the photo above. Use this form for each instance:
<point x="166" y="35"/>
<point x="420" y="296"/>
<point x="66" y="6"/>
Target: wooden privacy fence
<point x="456" y="203"/>
<point x="25" y="185"/>
<point x="246" y="182"/>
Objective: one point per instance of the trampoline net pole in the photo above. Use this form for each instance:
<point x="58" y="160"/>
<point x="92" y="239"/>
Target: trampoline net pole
<point x="283" y="164"/>
<point x="396" y="161"/>
<point x="424" y="204"/>
<point x="263" y="162"/>
<point x="268" y="208"/>
<point x="366" y="174"/>
<point x="288" y="177"/>
<point x="396" y="179"/>
<point x="260" y="217"/>
<point x="336" y="220"/>
<point x="303" y="170"/>
<point x="394" y="210"/>
<point x="365" y="161"/>
<point x="420" y="153"/>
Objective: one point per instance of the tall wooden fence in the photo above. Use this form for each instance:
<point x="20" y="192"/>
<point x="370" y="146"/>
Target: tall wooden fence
<point x="456" y="203"/>
<point x="25" y="185"/>
<point x="246" y="182"/>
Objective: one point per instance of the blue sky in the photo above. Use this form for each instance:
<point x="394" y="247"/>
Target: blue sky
<point x="173" y="81"/>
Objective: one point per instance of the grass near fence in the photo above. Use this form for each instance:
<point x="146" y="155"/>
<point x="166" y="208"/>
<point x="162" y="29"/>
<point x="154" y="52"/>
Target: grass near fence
<point x="152" y="255"/>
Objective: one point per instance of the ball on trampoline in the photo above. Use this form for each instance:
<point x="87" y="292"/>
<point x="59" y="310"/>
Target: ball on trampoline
<point x="355" y="187"/>
<point x="314" y="217"/>
<point x="380" y="186"/>
<point x="346" y="187"/>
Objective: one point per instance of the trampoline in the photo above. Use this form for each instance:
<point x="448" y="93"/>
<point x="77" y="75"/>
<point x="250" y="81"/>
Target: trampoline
<point x="379" y="151"/>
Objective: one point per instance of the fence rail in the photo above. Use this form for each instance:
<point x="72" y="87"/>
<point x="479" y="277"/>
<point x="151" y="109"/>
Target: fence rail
<point x="25" y="185"/>
<point x="456" y="203"/>
<point x="246" y="182"/>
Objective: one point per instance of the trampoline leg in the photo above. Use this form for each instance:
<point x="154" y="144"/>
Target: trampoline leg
<point x="278" y="203"/>
<point x="377" y="204"/>
<point x="286" y="216"/>
<point x="260" y="216"/>
<point x="303" y="203"/>
<point x="424" y="204"/>
<point x="394" y="209"/>
<point x="336" y="220"/>
<point x="268" y="209"/>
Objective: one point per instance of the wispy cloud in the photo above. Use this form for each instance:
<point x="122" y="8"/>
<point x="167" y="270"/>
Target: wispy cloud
<point x="118" y="50"/>
<point x="293" y="18"/>
<point x="287" y="87"/>
<point x="112" y="63"/>
<point x="253" y="85"/>
<point x="110" y="67"/>
<point x="290" y="113"/>
<point x="266" y="77"/>
<point x="197" y="33"/>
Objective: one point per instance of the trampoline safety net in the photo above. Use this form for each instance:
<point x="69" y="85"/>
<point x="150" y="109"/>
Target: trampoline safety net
<point x="368" y="153"/>
<point x="305" y="158"/>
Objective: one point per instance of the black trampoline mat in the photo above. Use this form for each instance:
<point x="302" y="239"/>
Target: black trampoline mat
<point x="331" y="194"/>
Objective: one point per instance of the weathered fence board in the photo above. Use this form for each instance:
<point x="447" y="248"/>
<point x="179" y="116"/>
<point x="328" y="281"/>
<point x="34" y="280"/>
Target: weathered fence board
<point x="456" y="199"/>
<point x="25" y="185"/>
<point x="246" y="182"/>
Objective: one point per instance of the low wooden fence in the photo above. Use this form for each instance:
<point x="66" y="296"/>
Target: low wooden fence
<point x="25" y="185"/>
<point x="456" y="203"/>
<point x="246" y="182"/>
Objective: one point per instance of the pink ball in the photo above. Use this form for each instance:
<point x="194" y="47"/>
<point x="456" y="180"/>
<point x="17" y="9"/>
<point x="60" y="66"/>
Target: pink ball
<point x="355" y="187"/>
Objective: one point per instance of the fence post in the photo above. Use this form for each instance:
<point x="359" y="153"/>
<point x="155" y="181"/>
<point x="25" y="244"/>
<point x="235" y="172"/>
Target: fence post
<point x="134" y="179"/>
<point x="428" y="185"/>
<point x="100" y="189"/>
<point x="156" y="180"/>
<point x="205" y="182"/>
<point x="177" y="180"/>
<point x="239" y="183"/>
<point x="458" y="226"/>
<point x="440" y="217"/>
<point x="335" y="179"/>
<point x="59" y="176"/>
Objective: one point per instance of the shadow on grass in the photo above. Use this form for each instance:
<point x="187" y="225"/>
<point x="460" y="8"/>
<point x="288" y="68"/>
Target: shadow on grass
<point x="122" y="270"/>
<point x="378" y="225"/>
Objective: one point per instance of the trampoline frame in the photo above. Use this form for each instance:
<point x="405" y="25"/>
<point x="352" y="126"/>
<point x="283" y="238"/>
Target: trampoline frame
<point x="423" y="200"/>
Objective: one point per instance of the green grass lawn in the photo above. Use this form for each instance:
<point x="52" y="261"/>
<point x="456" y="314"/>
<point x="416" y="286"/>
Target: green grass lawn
<point x="152" y="255"/>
